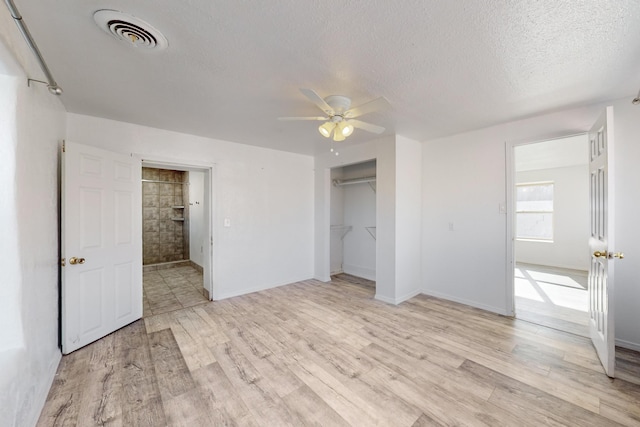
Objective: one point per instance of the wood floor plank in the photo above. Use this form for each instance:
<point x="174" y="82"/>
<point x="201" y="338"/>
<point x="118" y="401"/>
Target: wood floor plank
<point x="223" y="402"/>
<point x="514" y="395"/>
<point x="261" y="399"/>
<point x="173" y="374"/>
<point x="140" y="394"/>
<point x="314" y="353"/>
<point x="63" y="401"/>
<point x="311" y="409"/>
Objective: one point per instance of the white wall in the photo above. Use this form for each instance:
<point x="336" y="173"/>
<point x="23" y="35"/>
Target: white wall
<point x="267" y="195"/>
<point x="408" y="218"/>
<point x="569" y="248"/>
<point x="197" y="236"/>
<point x="29" y="249"/>
<point x="464" y="183"/>
<point x="359" y="212"/>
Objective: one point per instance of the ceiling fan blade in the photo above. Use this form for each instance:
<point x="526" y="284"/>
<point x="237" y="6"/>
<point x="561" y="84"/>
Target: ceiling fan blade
<point x="366" y="126"/>
<point x="368" y="107"/>
<point x="302" y="118"/>
<point x="317" y="99"/>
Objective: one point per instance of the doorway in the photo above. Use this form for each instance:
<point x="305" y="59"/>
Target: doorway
<point x="353" y="223"/>
<point x="176" y="223"/>
<point x="551" y="229"/>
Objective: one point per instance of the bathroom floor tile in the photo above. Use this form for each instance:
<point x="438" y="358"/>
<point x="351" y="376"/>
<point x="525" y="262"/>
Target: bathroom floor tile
<point x="171" y="289"/>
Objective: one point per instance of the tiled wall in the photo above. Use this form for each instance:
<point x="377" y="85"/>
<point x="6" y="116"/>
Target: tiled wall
<point x="164" y="238"/>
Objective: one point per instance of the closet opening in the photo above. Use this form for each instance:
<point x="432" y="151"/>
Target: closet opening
<point x="353" y="223"/>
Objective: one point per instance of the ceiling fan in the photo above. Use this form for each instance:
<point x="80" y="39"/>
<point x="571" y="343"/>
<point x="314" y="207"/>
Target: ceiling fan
<point x="340" y="118"/>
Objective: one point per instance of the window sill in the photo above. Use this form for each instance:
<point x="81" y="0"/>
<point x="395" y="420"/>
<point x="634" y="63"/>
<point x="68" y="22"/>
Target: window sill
<point x="519" y="239"/>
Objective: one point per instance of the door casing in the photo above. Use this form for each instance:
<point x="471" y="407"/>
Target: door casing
<point x="209" y="214"/>
<point x="510" y="202"/>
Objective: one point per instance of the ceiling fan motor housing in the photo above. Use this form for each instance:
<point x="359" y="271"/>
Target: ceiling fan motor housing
<point x="339" y="103"/>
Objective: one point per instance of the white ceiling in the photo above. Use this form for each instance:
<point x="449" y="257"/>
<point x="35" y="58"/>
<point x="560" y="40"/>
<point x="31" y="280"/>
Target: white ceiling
<point x="556" y="153"/>
<point x="233" y="67"/>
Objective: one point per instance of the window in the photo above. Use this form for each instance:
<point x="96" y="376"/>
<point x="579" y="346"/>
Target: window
<point x="534" y="211"/>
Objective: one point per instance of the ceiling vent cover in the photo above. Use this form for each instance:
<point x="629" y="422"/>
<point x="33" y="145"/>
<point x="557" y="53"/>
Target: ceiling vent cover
<point x="130" y="29"/>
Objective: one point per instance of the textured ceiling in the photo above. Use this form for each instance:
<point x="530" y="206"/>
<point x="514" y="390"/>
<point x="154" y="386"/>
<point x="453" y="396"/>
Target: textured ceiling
<point x="233" y="67"/>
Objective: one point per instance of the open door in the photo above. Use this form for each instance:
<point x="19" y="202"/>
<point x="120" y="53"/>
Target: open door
<point x="601" y="241"/>
<point x="101" y="244"/>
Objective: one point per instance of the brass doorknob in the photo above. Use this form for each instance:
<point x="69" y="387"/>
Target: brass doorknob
<point x="74" y="260"/>
<point x="618" y="255"/>
<point x="599" y="254"/>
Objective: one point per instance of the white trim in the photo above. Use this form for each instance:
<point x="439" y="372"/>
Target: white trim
<point x="510" y="202"/>
<point x="470" y="303"/>
<point x="363" y="272"/>
<point x="511" y="212"/>
<point x="232" y="294"/>
<point x="408" y="296"/>
<point x="209" y="169"/>
<point x="400" y="300"/>
<point x="385" y="299"/>
<point x="45" y="386"/>
<point x="628" y="345"/>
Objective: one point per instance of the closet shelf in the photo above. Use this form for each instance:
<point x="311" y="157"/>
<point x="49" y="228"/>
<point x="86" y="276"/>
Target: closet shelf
<point x="177" y="207"/>
<point x="344" y="229"/>
<point x="177" y="219"/>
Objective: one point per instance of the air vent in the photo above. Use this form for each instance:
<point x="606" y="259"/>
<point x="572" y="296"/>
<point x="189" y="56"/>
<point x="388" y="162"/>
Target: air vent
<point x="130" y="29"/>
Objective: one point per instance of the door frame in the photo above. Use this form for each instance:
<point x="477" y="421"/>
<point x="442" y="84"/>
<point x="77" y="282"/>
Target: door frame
<point x="209" y="169"/>
<point x="510" y="201"/>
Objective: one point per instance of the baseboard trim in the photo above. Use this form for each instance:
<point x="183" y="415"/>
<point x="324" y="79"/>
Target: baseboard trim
<point x="400" y="300"/>
<point x="470" y="303"/>
<point x="44" y="392"/>
<point x="385" y="299"/>
<point x="628" y="345"/>
<point x="363" y="272"/>
<point x="232" y="294"/>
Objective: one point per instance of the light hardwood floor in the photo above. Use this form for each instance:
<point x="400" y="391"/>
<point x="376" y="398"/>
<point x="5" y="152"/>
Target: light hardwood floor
<point x="314" y="353"/>
<point x="552" y="297"/>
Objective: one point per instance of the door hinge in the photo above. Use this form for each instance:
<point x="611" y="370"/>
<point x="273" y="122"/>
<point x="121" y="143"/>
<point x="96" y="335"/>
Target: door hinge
<point x="64" y="148"/>
<point x="63" y="262"/>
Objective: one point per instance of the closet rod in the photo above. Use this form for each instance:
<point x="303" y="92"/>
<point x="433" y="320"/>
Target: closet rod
<point x="53" y="87"/>
<point x="339" y="182"/>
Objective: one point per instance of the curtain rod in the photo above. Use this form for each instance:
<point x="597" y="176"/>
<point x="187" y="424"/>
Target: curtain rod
<point x="22" y="26"/>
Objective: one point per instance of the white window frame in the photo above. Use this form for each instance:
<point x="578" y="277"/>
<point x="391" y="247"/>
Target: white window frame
<point x="552" y="212"/>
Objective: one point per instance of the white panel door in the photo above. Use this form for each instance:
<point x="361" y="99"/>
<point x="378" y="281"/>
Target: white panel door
<point x="601" y="240"/>
<point x="101" y="244"/>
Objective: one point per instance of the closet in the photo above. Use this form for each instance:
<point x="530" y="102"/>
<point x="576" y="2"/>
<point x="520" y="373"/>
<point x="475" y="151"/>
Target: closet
<point x="353" y="220"/>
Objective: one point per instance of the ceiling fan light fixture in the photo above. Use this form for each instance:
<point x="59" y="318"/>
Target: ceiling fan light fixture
<point x="326" y="129"/>
<point x="338" y="136"/>
<point x="346" y="128"/>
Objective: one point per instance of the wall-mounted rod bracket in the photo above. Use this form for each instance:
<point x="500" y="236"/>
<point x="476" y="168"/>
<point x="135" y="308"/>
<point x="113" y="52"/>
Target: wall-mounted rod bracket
<point x="53" y="87"/>
<point x="636" y="100"/>
<point x="372" y="232"/>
